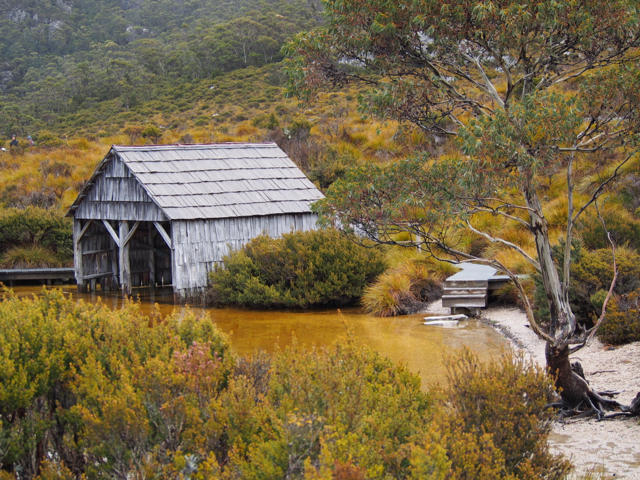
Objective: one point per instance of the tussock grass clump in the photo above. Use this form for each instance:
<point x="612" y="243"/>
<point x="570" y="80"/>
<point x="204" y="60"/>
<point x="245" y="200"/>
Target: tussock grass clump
<point x="33" y="256"/>
<point x="389" y="295"/>
<point x="407" y="287"/>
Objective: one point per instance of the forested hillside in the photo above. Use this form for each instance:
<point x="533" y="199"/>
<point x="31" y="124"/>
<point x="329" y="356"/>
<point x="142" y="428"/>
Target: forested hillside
<point x="60" y="60"/>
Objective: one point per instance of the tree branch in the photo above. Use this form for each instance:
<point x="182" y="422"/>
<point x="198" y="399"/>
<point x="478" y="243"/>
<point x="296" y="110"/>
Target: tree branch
<point x="497" y="211"/>
<point x="513" y="246"/>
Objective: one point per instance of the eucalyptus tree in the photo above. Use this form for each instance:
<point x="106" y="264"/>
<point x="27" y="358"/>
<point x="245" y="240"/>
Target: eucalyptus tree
<point x="528" y="89"/>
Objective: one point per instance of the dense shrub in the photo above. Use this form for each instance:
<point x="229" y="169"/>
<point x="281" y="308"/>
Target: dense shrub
<point x="102" y="391"/>
<point x="89" y="392"/>
<point x="48" y="139"/>
<point x="623" y="226"/>
<point x="36" y="228"/>
<point x="329" y="167"/>
<point x="622" y="321"/>
<point x="339" y="407"/>
<point x="496" y="422"/>
<point x="300" y="269"/>
<point x="591" y="273"/>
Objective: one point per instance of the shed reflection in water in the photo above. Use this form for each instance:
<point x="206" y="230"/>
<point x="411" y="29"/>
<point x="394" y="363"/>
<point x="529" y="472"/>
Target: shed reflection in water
<point x="403" y="339"/>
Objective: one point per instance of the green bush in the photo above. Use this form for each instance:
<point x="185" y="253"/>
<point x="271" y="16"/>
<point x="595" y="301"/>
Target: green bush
<point x="622" y="320"/>
<point x="202" y="120"/>
<point x="270" y="122"/>
<point x="300" y="269"/>
<point x="48" y="139"/>
<point x="151" y="132"/>
<point x="496" y="422"/>
<point x="592" y="272"/>
<point x="37" y="227"/>
<point x="330" y="167"/>
<point x="624" y="229"/>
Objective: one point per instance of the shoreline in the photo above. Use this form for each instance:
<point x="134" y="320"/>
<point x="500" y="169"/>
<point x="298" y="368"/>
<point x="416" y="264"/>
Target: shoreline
<point x="609" y="447"/>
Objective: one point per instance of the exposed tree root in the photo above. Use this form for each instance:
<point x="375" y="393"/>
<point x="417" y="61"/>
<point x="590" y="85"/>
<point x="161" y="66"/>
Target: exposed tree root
<point x="579" y="400"/>
<point x="594" y="404"/>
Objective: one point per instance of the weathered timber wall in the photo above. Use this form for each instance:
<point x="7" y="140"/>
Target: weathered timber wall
<point x="118" y="195"/>
<point x="200" y="244"/>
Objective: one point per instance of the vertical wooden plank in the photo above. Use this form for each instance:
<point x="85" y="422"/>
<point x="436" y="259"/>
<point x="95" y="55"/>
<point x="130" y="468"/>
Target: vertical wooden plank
<point x="174" y="255"/>
<point x="152" y="257"/>
<point x="77" y="253"/>
<point x="124" y="260"/>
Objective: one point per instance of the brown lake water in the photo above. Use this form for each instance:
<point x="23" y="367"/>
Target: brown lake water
<point x="403" y="339"/>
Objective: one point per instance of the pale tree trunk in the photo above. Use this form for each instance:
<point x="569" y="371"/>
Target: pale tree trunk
<point x="562" y="320"/>
<point x="573" y="388"/>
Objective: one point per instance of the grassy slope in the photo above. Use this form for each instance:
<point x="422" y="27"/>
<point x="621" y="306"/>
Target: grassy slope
<point x="249" y="106"/>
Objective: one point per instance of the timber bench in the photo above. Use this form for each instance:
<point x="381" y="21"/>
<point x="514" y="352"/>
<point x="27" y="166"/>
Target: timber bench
<point x="469" y="288"/>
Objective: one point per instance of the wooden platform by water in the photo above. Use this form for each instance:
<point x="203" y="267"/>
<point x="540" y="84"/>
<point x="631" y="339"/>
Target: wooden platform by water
<point x="469" y="288"/>
<point x="46" y="275"/>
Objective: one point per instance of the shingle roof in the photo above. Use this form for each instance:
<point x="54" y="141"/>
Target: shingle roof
<point x="218" y="180"/>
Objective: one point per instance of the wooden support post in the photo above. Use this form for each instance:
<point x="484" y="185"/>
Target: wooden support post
<point x="113" y="256"/>
<point x="124" y="260"/>
<point x="152" y="258"/>
<point x="77" y="253"/>
<point x="174" y="261"/>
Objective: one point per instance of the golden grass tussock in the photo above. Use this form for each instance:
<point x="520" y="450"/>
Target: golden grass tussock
<point x="518" y="235"/>
<point x="244" y="130"/>
<point x="384" y="298"/>
<point x="514" y="261"/>
<point x="55" y="173"/>
<point x="487" y="222"/>
<point x="557" y="211"/>
<point x="30" y="256"/>
<point x="412" y="280"/>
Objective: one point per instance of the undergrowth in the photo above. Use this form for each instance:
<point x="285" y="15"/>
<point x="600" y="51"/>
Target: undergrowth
<point x="90" y="392"/>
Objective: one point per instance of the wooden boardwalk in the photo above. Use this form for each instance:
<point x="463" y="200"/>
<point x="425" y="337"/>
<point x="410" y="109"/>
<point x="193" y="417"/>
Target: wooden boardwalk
<point x="46" y="275"/>
<point x="469" y="288"/>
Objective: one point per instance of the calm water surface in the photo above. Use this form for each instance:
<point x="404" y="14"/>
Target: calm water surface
<point x="403" y="339"/>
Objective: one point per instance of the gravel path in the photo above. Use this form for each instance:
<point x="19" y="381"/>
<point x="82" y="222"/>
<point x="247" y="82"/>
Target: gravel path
<point x="612" y="445"/>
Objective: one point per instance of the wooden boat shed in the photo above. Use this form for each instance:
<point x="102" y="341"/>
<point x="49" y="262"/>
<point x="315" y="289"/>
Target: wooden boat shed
<point x="166" y="214"/>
